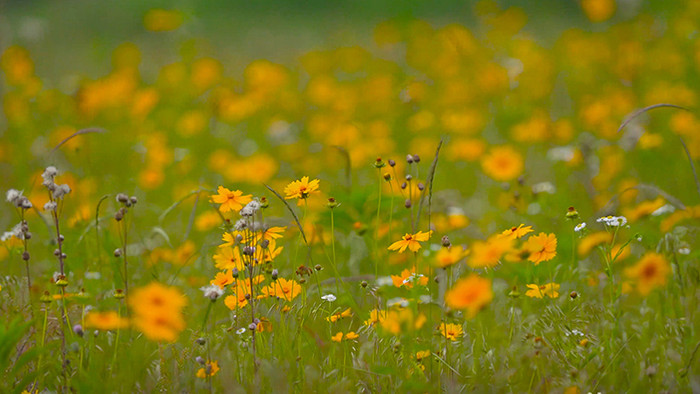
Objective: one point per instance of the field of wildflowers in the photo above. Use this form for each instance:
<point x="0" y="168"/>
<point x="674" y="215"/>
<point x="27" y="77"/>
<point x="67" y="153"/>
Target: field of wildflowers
<point x="481" y="205"/>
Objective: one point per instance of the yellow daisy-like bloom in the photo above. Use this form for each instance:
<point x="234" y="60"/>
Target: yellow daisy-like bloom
<point x="410" y="241"/>
<point x="301" y="188"/>
<point x="502" y="163"/>
<point x="488" y="253"/>
<point x="337" y="337"/>
<point x="451" y="331"/>
<point x="592" y="240"/>
<point x="222" y="279"/>
<point x="283" y="288"/>
<point x="449" y="256"/>
<point x="228" y="258"/>
<point x="105" y="321"/>
<point x="472" y="294"/>
<point x="408" y="278"/>
<point x="351" y="335"/>
<point x="539" y="291"/>
<point x="230" y="200"/>
<point x="421" y="354"/>
<point x="650" y="272"/>
<point x="516" y="232"/>
<point x="337" y="316"/>
<point x="542" y="247"/>
<point x="158" y="311"/>
<point x="213" y="367"/>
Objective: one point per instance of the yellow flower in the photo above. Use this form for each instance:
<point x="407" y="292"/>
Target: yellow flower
<point x="411" y="241"/>
<point x="158" y="311"/>
<point x="488" y="253"/>
<point x="650" y="272"/>
<point x="592" y="240"/>
<point x="228" y="258"/>
<point x="408" y="278"/>
<point x="449" y="256"/>
<point x="105" y="321"/>
<point x="375" y="316"/>
<point x="451" y="331"/>
<point x="230" y="200"/>
<point x="213" y="367"/>
<point x="502" y="163"/>
<point x="337" y="316"/>
<point x="222" y="279"/>
<point x="472" y="293"/>
<point x="351" y="335"/>
<point x="538" y="291"/>
<point x="516" y="232"/>
<point x="542" y="247"/>
<point x="337" y="337"/>
<point x="283" y="288"/>
<point x="301" y="188"/>
<point x="598" y="10"/>
<point x="420" y="355"/>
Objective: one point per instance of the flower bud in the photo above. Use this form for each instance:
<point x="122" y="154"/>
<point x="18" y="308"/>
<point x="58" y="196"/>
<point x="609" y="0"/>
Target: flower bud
<point x="407" y="204"/>
<point x="446" y="241"/>
<point x="572" y="213"/>
<point x="275" y="274"/>
<point x="25" y="256"/>
<point x="119" y="294"/>
<point x="318" y="267"/>
<point x="122" y="198"/>
<point x="379" y="163"/>
<point x="409" y="159"/>
<point x="78" y="330"/>
<point x="421" y="186"/>
<point x="252" y="326"/>
<point x="332" y="203"/>
<point x="133" y="200"/>
<point x="363" y="284"/>
<point x="234" y="273"/>
<point x="200" y="341"/>
<point x="409" y="177"/>
<point x="117" y="252"/>
<point x="200" y="360"/>
<point x="391" y="162"/>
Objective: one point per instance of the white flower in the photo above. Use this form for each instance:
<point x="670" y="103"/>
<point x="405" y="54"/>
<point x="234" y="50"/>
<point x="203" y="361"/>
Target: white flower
<point x="613" y="221"/>
<point x="580" y="227"/>
<point x="398" y="301"/>
<point x="544" y="187"/>
<point x="240" y="330"/>
<point x="13" y="196"/>
<point x="49" y="173"/>
<point x="684" y="250"/>
<point x="250" y="209"/>
<point x="328" y="297"/>
<point x="61" y="191"/>
<point x="385" y="281"/>
<point x="49" y="206"/>
<point x="668" y="208"/>
<point x="212" y="292"/>
<point x="15" y="232"/>
<point x="240" y="225"/>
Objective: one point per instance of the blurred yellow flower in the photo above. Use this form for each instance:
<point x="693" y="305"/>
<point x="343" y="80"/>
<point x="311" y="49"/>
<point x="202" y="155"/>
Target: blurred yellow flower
<point x="542" y="247"/>
<point x="502" y="163"/>
<point x="211" y="366"/>
<point x="650" y="271"/>
<point x="471" y="294"/>
<point x="446" y="257"/>
<point x="162" y="20"/>
<point x="488" y="253"/>
<point x="451" y="331"/>
<point x="538" y="291"/>
<point x="283" y="288"/>
<point x="105" y="321"/>
<point x="158" y="311"/>
<point x="598" y="10"/>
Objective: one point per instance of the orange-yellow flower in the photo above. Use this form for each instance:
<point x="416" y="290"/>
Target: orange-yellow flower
<point x="488" y="253"/>
<point x="650" y="272"/>
<point x="542" y="247"/>
<point x="408" y="278"/>
<point x="351" y="335"/>
<point x="228" y="258"/>
<point x="516" y="232"/>
<point x="212" y="366"/>
<point x="538" y="291"/>
<point x="502" y="163"/>
<point x="283" y="288"/>
<point x="301" y="188"/>
<point x="230" y="200"/>
<point x="158" y="311"/>
<point x="472" y="294"/>
<point x="337" y="316"/>
<point x="222" y="279"/>
<point x="451" y="331"/>
<point x="337" y="337"/>
<point x="411" y="241"/>
<point x="449" y="256"/>
<point x="105" y="321"/>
